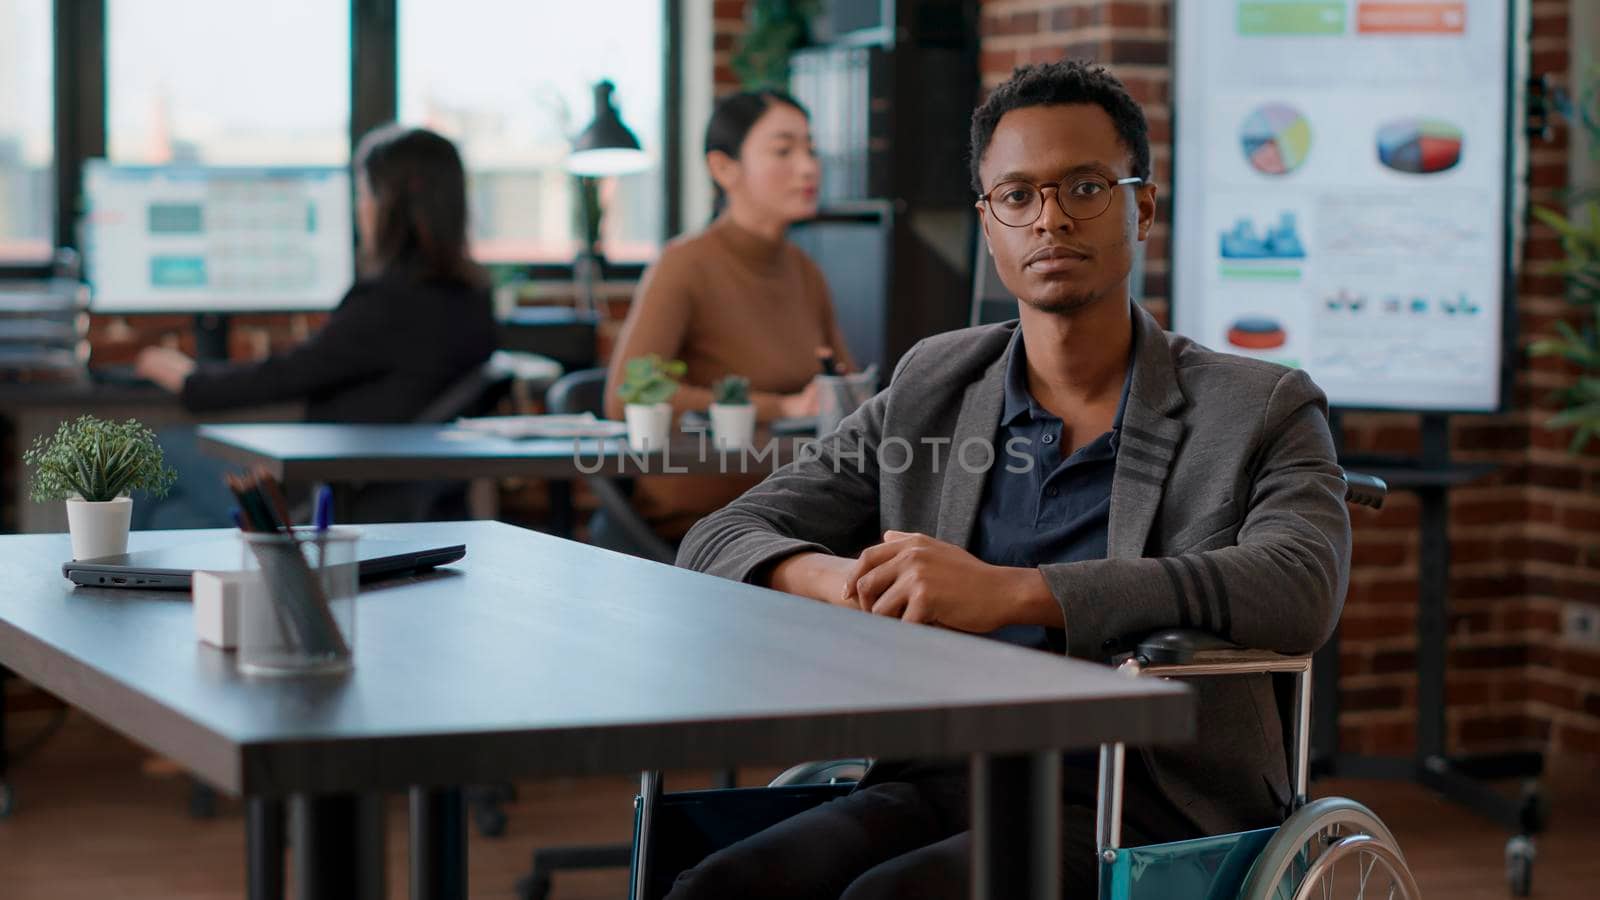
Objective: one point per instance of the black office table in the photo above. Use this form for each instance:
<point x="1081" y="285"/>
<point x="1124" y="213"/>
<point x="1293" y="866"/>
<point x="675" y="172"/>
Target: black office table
<point x="538" y="657"/>
<point x="336" y="453"/>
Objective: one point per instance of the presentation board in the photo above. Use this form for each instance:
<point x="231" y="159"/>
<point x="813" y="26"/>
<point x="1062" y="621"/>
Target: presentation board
<point x="1340" y="193"/>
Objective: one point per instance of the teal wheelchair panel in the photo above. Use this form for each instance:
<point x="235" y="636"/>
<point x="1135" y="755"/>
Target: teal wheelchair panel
<point x="1210" y="868"/>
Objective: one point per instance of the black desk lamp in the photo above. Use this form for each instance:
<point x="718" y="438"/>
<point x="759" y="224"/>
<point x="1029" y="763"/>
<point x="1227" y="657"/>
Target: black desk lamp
<point x="605" y="148"/>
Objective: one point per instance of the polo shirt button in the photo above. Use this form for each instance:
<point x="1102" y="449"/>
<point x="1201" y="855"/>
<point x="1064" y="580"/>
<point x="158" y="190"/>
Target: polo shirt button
<point x="1049" y="439"/>
<point x="1051" y="492"/>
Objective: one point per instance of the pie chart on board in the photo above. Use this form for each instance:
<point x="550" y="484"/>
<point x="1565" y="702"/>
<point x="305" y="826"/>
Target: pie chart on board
<point x="1257" y="333"/>
<point x="1276" y="139"/>
<point x="1419" y="146"/>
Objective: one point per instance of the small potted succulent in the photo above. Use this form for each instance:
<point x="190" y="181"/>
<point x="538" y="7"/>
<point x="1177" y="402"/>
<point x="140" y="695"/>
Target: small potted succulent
<point x="93" y="465"/>
<point x="648" y="382"/>
<point x="733" y="416"/>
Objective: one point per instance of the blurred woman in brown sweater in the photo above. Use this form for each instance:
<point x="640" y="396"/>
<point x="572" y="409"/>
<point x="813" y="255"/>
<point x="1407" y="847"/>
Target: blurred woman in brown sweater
<point x="737" y="298"/>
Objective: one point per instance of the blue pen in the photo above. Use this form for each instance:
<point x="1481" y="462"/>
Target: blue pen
<point x="324" y="514"/>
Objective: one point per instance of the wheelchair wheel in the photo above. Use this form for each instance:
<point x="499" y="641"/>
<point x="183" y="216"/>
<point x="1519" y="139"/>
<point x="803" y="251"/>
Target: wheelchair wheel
<point x="1333" y="847"/>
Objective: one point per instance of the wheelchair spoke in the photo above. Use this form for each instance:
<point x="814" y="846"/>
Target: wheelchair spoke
<point x="1366" y="873"/>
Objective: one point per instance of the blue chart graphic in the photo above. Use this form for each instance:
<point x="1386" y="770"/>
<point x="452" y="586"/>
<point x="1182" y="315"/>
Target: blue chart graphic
<point x="1279" y="242"/>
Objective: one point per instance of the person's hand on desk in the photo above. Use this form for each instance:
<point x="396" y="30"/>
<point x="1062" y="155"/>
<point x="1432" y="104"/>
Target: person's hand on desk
<point x="920" y="579"/>
<point x="164" y="366"/>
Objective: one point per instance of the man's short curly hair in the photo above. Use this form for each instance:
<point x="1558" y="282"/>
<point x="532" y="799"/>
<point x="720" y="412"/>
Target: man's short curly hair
<point x="1068" y="81"/>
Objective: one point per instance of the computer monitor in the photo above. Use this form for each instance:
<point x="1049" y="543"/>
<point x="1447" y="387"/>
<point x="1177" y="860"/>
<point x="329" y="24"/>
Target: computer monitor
<point x="205" y="239"/>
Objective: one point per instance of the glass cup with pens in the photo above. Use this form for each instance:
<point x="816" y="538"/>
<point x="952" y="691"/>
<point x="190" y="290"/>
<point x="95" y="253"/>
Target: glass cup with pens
<point x="297" y="608"/>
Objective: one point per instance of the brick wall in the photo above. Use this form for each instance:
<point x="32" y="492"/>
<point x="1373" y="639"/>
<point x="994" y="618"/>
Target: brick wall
<point x="1524" y="541"/>
<point x="727" y="24"/>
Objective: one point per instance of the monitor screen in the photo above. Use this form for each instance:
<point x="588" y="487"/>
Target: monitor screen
<point x="1341" y="178"/>
<point x="209" y="239"/>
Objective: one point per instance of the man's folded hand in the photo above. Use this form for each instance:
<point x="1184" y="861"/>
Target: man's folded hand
<point x="921" y="579"/>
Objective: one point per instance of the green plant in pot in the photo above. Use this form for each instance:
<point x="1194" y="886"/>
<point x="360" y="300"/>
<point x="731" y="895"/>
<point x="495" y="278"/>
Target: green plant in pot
<point x="648" y="383"/>
<point x="1580" y="346"/>
<point x="95" y="465"/>
<point x="733" y="416"/>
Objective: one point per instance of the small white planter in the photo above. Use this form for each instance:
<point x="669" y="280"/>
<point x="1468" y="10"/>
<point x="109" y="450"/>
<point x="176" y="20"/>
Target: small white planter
<point x="649" y="426"/>
<point x="733" y="427"/>
<point x="99" y="528"/>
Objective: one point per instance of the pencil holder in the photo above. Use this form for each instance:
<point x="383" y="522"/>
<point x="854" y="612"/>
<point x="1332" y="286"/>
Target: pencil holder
<point x="298" y="615"/>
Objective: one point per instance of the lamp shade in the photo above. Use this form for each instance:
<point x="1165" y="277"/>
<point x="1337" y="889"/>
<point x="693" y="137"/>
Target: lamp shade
<point x="606" y="146"/>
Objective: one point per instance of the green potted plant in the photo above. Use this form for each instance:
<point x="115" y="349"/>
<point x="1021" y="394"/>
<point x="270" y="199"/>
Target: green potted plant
<point x="94" y="465"/>
<point x="1580" y="237"/>
<point x="733" y="416"/>
<point x="648" y="382"/>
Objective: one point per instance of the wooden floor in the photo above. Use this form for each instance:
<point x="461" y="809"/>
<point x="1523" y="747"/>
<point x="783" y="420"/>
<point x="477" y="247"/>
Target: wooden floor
<point x="93" y="822"/>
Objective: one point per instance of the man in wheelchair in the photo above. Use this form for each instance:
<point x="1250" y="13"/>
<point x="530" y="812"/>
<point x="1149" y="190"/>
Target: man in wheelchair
<point x="1062" y="482"/>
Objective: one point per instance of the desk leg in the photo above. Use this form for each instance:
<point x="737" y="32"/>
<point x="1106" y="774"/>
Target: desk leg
<point x="338" y="846"/>
<point x="1016" y="826"/>
<point x="563" y="512"/>
<point x="438" y="844"/>
<point x="263" y="840"/>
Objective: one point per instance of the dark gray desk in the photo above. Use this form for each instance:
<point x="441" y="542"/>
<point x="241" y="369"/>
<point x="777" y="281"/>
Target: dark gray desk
<point x="318" y="452"/>
<point x="536" y="656"/>
<point x="35" y="409"/>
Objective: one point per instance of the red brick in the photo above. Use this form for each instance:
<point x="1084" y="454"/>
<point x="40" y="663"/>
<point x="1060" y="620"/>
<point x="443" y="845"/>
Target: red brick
<point x="1491" y="657"/>
<point x="1366" y="628"/>
<point x="1486" y="512"/>
<point x="1375" y="552"/>
<point x="1071" y="17"/>
<point x="1466" y="693"/>
<point x="1484" y="587"/>
<point x="1500" y="727"/>
<point x="1578" y="661"/>
<point x="1137" y="52"/>
<point x="1558" y="695"/>
<point x="1581" y="519"/>
<point x="1391" y="738"/>
<point x="1573" y="738"/>
<point x="1372" y="698"/>
<point x="1389" y="661"/>
<point x="1130" y="15"/>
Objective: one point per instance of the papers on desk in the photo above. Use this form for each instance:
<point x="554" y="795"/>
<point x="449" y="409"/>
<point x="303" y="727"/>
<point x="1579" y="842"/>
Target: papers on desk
<point x="585" y="425"/>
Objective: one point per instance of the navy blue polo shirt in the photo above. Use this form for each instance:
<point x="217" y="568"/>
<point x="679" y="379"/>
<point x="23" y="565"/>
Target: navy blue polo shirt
<point x="1037" y="507"/>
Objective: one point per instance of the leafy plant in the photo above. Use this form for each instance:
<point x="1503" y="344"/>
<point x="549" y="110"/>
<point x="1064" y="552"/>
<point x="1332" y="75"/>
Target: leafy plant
<point x="648" y="380"/>
<point x="1580" y="238"/>
<point x="93" y="459"/>
<point x="774" y="30"/>
<point x="733" y="390"/>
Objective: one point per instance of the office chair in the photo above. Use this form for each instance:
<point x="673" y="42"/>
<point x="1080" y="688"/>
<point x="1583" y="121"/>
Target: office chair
<point x="673" y="832"/>
<point x="476" y="393"/>
<point x="627" y="531"/>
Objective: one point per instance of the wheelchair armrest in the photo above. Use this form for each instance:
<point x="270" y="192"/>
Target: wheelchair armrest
<point x="1174" y="650"/>
<point x="1177" y="646"/>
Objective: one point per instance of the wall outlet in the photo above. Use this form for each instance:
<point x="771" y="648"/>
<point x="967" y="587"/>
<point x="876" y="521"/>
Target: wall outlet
<point x="1580" y="623"/>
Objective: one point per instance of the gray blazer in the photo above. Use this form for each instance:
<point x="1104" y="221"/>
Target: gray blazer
<point x="1227" y="513"/>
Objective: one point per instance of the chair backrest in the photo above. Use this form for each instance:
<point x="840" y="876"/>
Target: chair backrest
<point x="578" y="392"/>
<point x="473" y="394"/>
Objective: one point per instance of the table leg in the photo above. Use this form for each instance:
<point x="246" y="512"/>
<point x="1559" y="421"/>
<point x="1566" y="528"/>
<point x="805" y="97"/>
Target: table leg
<point x="338" y="846"/>
<point x="263" y="840"/>
<point x="1016" y="826"/>
<point x="438" y="844"/>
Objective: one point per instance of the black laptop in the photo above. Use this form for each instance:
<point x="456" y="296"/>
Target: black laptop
<point x="170" y="567"/>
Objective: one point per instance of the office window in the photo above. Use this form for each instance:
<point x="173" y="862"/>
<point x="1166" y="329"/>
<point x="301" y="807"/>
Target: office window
<point x="512" y="83"/>
<point x="27" y="143"/>
<point x="228" y="82"/>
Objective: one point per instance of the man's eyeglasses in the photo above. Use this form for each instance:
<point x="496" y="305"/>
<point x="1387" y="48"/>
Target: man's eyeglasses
<point x="1019" y="204"/>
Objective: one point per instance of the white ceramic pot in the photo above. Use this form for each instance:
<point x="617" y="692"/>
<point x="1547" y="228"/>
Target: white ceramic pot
<point x="99" y="528"/>
<point x="733" y="426"/>
<point x="649" y="426"/>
